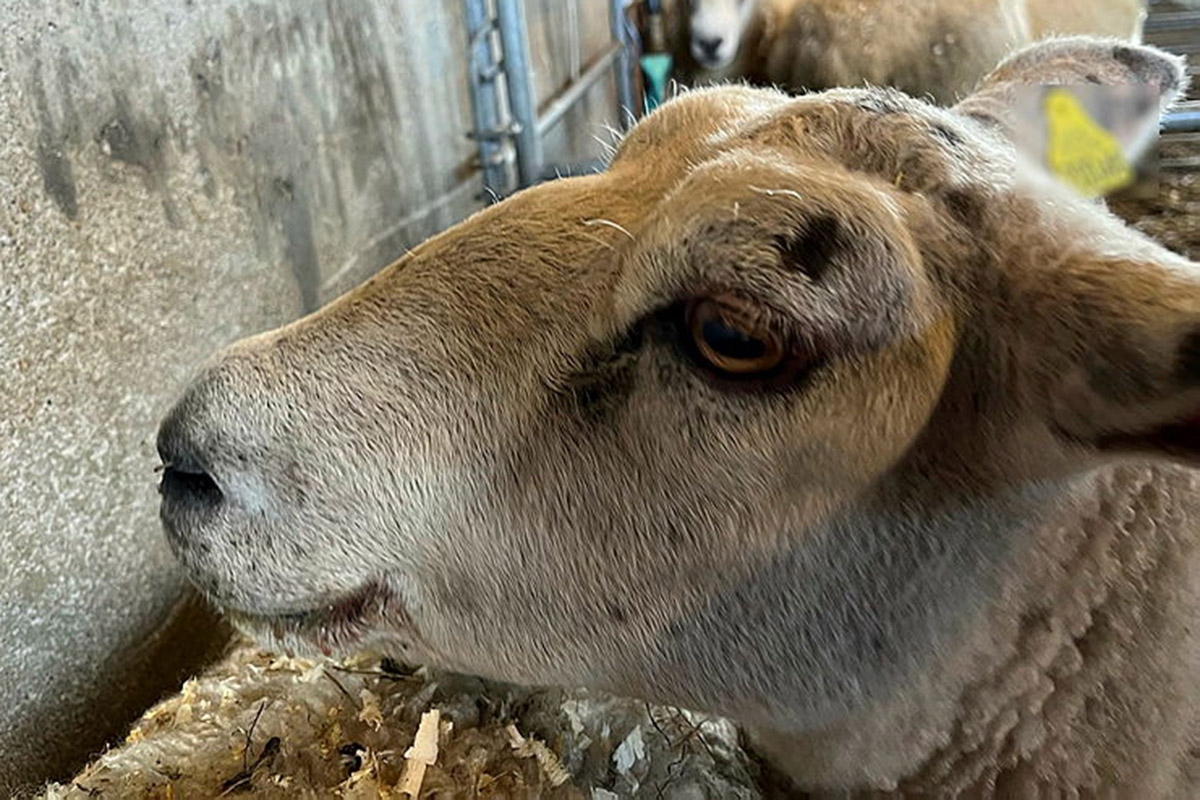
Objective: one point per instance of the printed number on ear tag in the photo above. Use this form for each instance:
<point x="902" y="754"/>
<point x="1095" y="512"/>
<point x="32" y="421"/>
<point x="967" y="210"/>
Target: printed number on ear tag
<point x="1079" y="150"/>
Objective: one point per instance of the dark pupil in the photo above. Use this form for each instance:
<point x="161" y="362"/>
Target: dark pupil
<point x="732" y="343"/>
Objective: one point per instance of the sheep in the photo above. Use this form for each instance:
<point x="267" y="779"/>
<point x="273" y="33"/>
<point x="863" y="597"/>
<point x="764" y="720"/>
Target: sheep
<point x="831" y="416"/>
<point x="922" y="47"/>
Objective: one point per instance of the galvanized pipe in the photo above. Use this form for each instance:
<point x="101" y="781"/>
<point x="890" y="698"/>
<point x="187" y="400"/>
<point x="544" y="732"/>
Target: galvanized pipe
<point x="624" y="76"/>
<point x="1171" y="21"/>
<point x="514" y="37"/>
<point x="485" y="101"/>
<point x="1184" y="121"/>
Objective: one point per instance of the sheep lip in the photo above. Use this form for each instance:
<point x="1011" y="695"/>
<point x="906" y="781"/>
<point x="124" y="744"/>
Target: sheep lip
<point x="711" y="63"/>
<point x="333" y="624"/>
<point x="346" y="609"/>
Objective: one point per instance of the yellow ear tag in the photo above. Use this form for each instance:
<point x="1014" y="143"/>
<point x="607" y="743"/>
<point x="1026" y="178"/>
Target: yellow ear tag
<point x="1079" y="150"/>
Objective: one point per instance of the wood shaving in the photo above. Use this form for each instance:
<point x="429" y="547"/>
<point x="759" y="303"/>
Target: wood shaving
<point x="312" y="674"/>
<point x="370" y="712"/>
<point x="310" y="741"/>
<point x="365" y="783"/>
<point x="422" y="754"/>
<point x="532" y="747"/>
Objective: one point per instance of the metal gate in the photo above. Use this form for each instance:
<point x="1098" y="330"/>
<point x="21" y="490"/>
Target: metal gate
<point x="508" y="125"/>
<point x="1175" y="27"/>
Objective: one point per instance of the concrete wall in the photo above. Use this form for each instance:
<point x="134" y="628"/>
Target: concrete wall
<point x="174" y="175"/>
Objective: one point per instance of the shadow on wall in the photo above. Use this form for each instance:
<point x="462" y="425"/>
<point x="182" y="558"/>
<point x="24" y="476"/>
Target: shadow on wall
<point x="131" y="680"/>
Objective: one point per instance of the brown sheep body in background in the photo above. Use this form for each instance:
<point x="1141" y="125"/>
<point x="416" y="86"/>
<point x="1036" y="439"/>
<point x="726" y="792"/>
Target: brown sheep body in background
<point x="940" y="48"/>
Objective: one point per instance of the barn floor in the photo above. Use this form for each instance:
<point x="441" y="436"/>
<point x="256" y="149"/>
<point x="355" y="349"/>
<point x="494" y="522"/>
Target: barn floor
<point x="1169" y="213"/>
<point x="278" y="727"/>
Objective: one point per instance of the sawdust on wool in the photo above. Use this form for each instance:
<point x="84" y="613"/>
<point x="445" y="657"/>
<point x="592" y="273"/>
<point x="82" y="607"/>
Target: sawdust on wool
<point x="273" y="726"/>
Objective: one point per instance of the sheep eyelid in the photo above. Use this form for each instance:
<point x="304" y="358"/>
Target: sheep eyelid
<point x="790" y="375"/>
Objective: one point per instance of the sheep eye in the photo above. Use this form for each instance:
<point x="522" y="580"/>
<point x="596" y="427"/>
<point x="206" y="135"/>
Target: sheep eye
<point x="731" y="338"/>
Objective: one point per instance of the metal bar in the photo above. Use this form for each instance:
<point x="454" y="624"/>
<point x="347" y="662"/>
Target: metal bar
<point x="1178" y="48"/>
<point x="1184" y="137"/>
<point x="1182" y="122"/>
<point x="624" y="75"/>
<point x="570" y="94"/>
<point x="500" y="134"/>
<point x="1180" y="164"/>
<point x="514" y="37"/>
<point x="1171" y="20"/>
<point x="485" y="100"/>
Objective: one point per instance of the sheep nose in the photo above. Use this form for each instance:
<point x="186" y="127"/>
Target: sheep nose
<point x="709" y="47"/>
<point x="187" y="486"/>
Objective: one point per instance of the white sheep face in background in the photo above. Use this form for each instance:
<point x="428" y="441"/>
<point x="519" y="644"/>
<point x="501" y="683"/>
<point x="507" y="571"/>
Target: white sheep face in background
<point x="716" y="29"/>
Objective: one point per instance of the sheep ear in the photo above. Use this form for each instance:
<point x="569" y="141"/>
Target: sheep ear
<point x="1125" y="375"/>
<point x="1136" y="83"/>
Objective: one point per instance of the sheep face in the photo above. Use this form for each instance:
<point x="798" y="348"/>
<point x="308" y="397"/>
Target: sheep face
<point x="716" y="28"/>
<point x="746" y="423"/>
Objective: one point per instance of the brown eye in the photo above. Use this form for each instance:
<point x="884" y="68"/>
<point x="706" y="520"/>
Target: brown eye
<point x="730" y="335"/>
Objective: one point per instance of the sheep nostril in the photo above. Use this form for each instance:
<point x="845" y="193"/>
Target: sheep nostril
<point x="186" y="482"/>
<point x="710" y="46"/>
<point x="189" y="485"/>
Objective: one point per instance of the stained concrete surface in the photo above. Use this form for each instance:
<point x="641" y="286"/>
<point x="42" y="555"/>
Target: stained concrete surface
<point x="175" y="175"/>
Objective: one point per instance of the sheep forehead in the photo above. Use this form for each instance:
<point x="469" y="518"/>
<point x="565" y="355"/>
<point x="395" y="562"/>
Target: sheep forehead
<point x="727" y="8"/>
<point x="872" y="131"/>
<point x="717" y="148"/>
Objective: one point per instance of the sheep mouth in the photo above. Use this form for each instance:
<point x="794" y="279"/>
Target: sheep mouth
<point x="336" y="625"/>
<point x="711" y="62"/>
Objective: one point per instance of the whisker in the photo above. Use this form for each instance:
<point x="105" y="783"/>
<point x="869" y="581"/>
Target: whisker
<point x="773" y="192"/>
<point x="609" y="223"/>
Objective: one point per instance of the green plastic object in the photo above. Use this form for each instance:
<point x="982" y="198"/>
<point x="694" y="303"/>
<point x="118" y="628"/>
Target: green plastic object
<point x="656" y="70"/>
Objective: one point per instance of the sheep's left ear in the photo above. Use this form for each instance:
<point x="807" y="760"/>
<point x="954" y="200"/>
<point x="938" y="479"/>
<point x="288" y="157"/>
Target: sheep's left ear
<point x="1119" y="348"/>
<point x="1081" y="62"/>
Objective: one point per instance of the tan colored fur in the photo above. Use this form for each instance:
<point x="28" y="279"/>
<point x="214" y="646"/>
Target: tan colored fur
<point x="941" y="48"/>
<point x="939" y="561"/>
<point x="1120" y="18"/>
